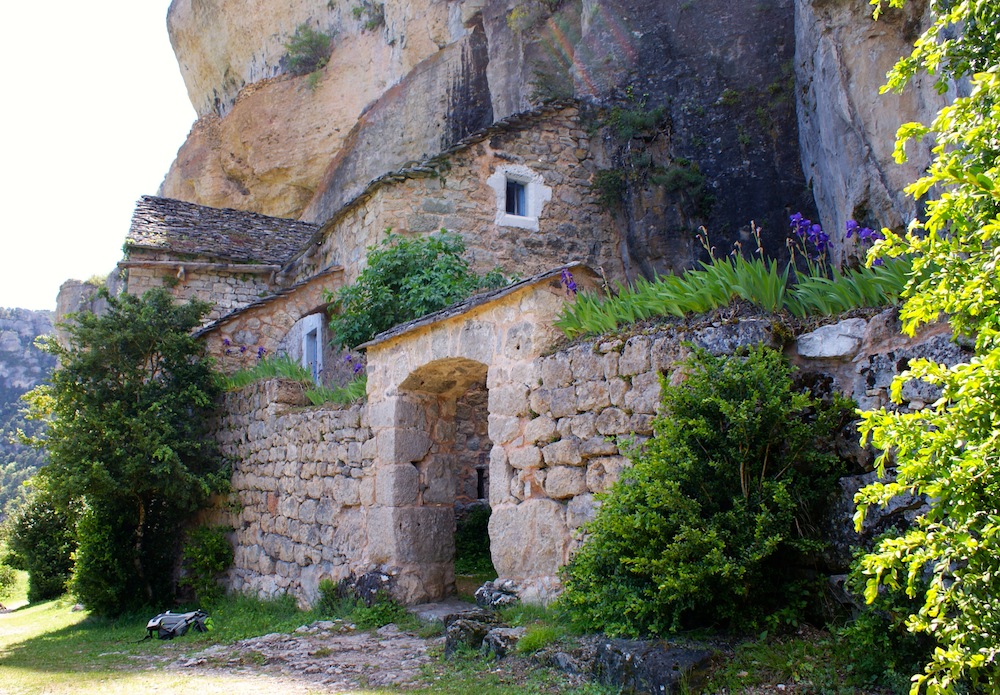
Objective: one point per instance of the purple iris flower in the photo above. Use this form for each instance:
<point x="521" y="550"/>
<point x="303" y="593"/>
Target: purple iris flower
<point x="261" y="351"/>
<point x="568" y="282"/>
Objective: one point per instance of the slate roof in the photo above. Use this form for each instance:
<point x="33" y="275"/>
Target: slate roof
<point x="186" y="229"/>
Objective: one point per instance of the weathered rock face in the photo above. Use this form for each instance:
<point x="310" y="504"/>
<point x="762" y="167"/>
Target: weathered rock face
<point x="268" y="149"/>
<point x="22" y="365"/>
<point x="724" y="152"/>
<point x="846" y="130"/>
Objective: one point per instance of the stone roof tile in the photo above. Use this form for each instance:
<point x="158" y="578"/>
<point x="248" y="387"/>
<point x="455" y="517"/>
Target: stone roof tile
<point x="177" y="227"/>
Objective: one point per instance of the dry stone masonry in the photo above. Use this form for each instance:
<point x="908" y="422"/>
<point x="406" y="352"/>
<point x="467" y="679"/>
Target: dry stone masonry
<point x="335" y="493"/>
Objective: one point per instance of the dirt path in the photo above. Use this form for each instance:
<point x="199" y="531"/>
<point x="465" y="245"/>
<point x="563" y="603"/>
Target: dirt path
<point x="327" y="656"/>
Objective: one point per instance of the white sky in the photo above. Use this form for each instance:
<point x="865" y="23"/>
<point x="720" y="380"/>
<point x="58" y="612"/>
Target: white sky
<point x="94" y="111"/>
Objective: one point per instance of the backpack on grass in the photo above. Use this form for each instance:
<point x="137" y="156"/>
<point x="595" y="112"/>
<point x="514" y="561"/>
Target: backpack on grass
<point x="169" y="625"/>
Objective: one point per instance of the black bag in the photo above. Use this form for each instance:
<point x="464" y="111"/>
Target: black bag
<point x="169" y="625"/>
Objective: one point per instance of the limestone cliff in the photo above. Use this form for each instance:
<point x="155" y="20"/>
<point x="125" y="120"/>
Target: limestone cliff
<point x="752" y="95"/>
<point x="846" y="130"/>
<point x="22" y="367"/>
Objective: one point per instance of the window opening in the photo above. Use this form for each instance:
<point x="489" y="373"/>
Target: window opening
<point x="516" y="198"/>
<point x="480" y="484"/>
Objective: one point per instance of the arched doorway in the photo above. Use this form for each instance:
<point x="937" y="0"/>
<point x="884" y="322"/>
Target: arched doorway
<point x="441" y="465"/>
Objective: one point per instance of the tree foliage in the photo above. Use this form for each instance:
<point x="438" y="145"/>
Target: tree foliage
<point x="126" y="414"/>
<point x="405" y="278"/>
<point x="950" y="451"/>
<point x="718" y="511"/>
<point x="41" y="540"/>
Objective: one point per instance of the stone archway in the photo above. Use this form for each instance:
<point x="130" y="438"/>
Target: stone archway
<point x="416" y="375"/>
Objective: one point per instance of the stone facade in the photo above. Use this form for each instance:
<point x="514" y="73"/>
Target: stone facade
<point x="226" y="288"/>
<point x="329" y="493"/>
<point x="453" y="192"/>
<point x="303" y="480"/>
<point x="240" y="339"/>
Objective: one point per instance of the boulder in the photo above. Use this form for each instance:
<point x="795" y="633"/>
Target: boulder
<point x="637" y="666"/>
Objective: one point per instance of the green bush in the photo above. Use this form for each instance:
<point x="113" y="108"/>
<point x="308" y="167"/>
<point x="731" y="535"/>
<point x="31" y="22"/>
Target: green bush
<point x="127" y="417"/>
<point x="308" y="50"/>
<point x="716" y="517"/>
<point x="8" y="581"/>
<point x="950" y="557"/>
<point x="206" y="555"/>
<point x="405" y="278"/>
<point x="42" y="540"/>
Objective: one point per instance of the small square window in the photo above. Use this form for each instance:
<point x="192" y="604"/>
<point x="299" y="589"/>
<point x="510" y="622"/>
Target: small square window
<point x="517" y="202"/>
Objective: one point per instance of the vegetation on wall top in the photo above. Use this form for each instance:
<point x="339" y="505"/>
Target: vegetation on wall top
<point x="406" y="278"/>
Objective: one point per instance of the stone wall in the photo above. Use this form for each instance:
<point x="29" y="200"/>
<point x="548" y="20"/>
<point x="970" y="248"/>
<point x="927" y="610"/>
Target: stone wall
<point x="240" y="340"/>
<point x="456" y="196"/>
<point x="328" y="493"/>
<point x="225" y="290"/>
<point x="302" y="481"/>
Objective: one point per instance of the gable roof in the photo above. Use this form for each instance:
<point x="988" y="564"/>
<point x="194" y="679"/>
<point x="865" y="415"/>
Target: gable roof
<point x="186" y="229"/>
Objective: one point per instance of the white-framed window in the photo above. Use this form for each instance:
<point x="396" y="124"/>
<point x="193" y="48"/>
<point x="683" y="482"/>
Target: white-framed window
<point x="520" y="194"/>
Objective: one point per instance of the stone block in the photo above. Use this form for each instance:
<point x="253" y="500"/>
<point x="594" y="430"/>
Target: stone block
<point x="307" y="512"/>
<point x="586" y="365"/>
<point x="565" y="452"/>
<point x="583" y="426"/>
<point x="592" y="395"/>
<point x="540" y="429"/>
<point x="562" y="402"/>
<point x="644" y="397"/>
<point x="839" y="341"/>
<point x="509" y="400"/>
<point x="403" y="445"/>
<point x="525" y="457"/>
<point x="617" y="388"/>
<point x="565" y="481"/>
<point x="503" y="429"/>
<point x="396" y="484"/>
<point x="347" y="491"/>
<point x="613" y="421"/>
<point x="604" y="472"/>
<point x="580" y="510"/>
<point x="635" y="358"/>
<point x="540" y="400"/>
<point x="556" y="371"/>
<point x="598" y="446"/>
<point x="530" y="539"/>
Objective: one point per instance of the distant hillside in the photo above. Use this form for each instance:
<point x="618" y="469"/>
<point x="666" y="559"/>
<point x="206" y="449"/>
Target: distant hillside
<point x="22" y="366"/>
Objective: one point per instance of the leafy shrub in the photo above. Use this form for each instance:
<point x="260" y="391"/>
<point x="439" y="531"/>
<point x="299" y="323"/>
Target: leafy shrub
<point x="308" y="50"/>
<point x="372" y="14"/>
<point x="42" y="541"/>
<point x="472" y="542"/>
<point x="717" y="513"/>
<point x="405" y="278"/>
<point x="206" y="555"/>
<point x="383" y="610"/>
<point x="8" y="581"/>
<point x="127" y="415"/>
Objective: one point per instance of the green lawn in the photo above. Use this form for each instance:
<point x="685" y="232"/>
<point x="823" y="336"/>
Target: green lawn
<point x="49" y="648"/>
